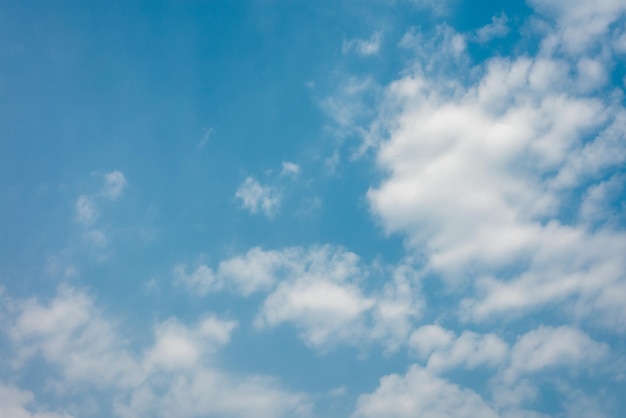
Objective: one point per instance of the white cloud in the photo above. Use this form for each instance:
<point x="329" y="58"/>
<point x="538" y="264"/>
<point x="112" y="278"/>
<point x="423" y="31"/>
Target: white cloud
<point x="350" y="109"/>
<point x="496" y="29"/>
<point x="364" y="46"/>
<point x="74" y="339"/>
<point x="256" y="197"/>
<point x="323" y="309"/>
<point x="440" y="52"/>
<point x="212" y="393"/>
<point x="86" y="211"/>
<point x="477" y="175"/>
<point x="325" y="301"/>
<point x="259" y="269"/>
<point x="421" y="394"/>
<point x="319" y="295"/>
<point x="180" y="347"/>
<point x="446" y="351"/>
<point x="591" y="74"/>
<point x="72" y="335"/>
<point x="17" y="403"/>
<point x="200" y="281"/>
<point x="548" y="347"/>
<point x="114" y="185"/>
<point x="579" y="404"/>
<point x="254" y="271"/>
<point x="599" y="203"/>
<point x="398" y="304"/>
<point x="290" y="169"/>
<point x="318" y="290"/>
<point x="429" y="338"/>
<point x="579" y="26"/>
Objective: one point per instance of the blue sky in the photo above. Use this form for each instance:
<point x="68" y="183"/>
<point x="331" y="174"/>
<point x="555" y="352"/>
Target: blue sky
<point x="312" y="209"/>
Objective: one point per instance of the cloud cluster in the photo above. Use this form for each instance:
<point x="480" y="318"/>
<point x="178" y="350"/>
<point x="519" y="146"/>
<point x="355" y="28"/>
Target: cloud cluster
<point x="87" y="212"/>
<point x="425" y="391"/>
<point x="364" y="47"/>
<point x="17" y="403"/>
<point x="176" y="376"/>
<point x="496" y="29"/>
<point x="496" y="180"/>
<point x="257" y="198"/>
<point x="508" y="178"/>
<point x="320" y="290"/>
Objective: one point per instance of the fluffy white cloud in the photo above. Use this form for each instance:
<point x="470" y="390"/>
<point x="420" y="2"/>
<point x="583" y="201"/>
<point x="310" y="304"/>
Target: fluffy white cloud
<point x="322" y="297"/>
<point x="256" y="197"/>
<point x="289" y="168"/>
<point x="200" y="281"/>
<point x="446" y="351"/>
<point x="175" y="377"/>
<point x="256" y="270"/>
<point x="478" y="176"/>
<point x="114" y="184"/>
<point x="429" y="338"/>
<point x="17" y="403"/>
<point x="180" y="347"/>
<point x="212" y="393"/>
<point x="364" y="46"/>
<point x="319" y="290"/>
<point x="439" y="52"/>
<point x="548" y="347"/>
<point x="325" y="310"/>
<point x="496" y="29"/>
<point x="397" y="305"/>
<point x="423" y="392"/>
<point x="419" y="393"/>
<point x="578" y="26"/>
<point x="70" y="334"/>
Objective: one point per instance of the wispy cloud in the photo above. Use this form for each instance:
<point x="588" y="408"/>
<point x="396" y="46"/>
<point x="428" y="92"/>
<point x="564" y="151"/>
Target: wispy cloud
<point x="496" y="29"/>
<point x="257" y="198"/>
<point x="206" y="137"/>
<point x="290" y="169"/>
<point x="114" y="184"/>
<point x="86" y="211"/>
<point x="364" y="47"/>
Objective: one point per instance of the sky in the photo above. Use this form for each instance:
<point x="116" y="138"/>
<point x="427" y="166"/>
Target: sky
<point x="338" y="209"/>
